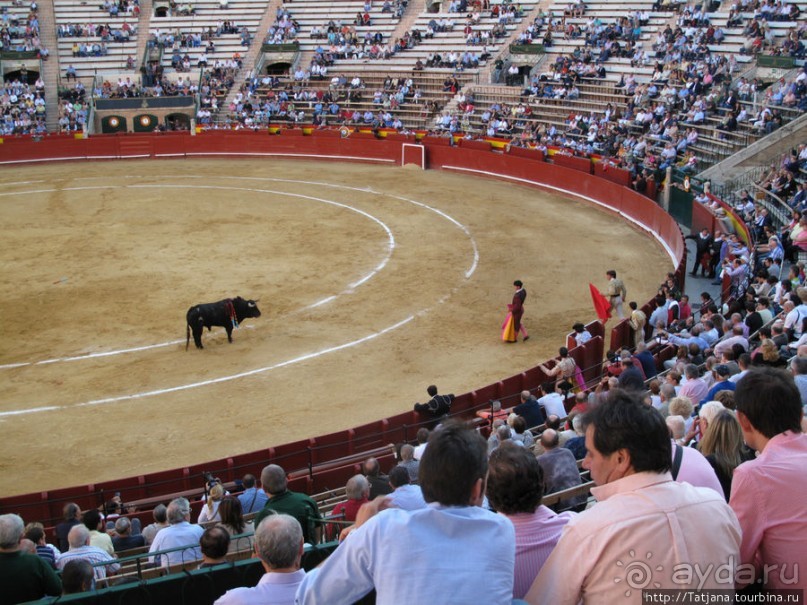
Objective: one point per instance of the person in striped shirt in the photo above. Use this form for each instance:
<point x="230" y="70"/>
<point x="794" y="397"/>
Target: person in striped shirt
<point x="79" y="540"/>
<point x="514" y="490"/>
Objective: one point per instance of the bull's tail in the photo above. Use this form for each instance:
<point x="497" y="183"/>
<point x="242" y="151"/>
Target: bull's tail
<point x="187" y="335"/>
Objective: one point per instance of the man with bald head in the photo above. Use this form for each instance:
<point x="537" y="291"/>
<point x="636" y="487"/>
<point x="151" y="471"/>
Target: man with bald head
<point x="409" y="463"/>
<point x="279" y="546"/>
<point x="379" y="482"/>
<point x="79" y="540"/>
<point x="560" y="469"/>
<point x="283" y="500"/>
<point x="530" y="410"/>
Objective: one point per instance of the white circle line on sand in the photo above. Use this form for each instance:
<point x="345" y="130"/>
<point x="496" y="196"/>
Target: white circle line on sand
<point x="203" y="383"/>
<point x="324" y="301"/>
<point x="367" y="189"/>
<point x="351" y="286"/>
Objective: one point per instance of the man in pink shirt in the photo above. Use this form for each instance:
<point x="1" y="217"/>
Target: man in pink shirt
<point x="768" y="493"/>
<point x="514" y="490"/>
<point x="673" y="534"/>
<point x="695" y="387"/>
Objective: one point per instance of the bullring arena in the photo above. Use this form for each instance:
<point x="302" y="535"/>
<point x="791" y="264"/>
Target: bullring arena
<point x="373" y="281"/>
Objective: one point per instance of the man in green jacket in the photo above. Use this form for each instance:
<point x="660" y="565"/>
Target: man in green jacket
<point x="281" y="500"/>
<point x="23" y="577"/>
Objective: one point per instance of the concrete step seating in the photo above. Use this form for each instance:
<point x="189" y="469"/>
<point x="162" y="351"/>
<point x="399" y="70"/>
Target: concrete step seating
<point x="20" y="14"/>
<point x="77" y="13"/>
<point x="208" y="15"/>
<point x="226" y="46"/>
<point x="441" y="42"/>
<point x="411" y="114"/>
<point x="114" y="60"/>
<point x="609" y="12"/>
<point x="311" y="13"/>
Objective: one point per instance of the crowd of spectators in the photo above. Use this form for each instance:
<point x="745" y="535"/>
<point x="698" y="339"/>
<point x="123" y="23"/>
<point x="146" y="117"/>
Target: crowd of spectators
<point x="125" y="87"/>
<point x="22" y="106"/>
<point x="121" y="7"/>
<point x="216" y="82"/>
<point x="722" y="452"/>
<point x="284" y="29"/>
<point x="21" y="34"/>
<point x="268" y="99"/>
<point x="73" y="108"/>
<point x="104" y="31"/>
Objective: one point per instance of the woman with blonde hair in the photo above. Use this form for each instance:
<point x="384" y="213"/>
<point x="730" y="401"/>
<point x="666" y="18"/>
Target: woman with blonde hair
<point x="210" y="510"/>
<point x="722" y="444"/>
<point x="767" y="355"/>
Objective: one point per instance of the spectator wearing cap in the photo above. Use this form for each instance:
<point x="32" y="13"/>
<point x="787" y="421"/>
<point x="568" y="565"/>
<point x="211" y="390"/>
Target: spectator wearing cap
<point x="722" y="382"/>
<point x="124" y="539"/>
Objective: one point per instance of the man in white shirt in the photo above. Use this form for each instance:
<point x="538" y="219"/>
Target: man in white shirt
<point x="552" y="401"/>
<point x="461" y="536"/>
<point x="405" y="495"/>
<point x="794" y="319"/>
<point x="279" y="546"/>
<point x="179" y="533"/>
<point x="727" y="343"/>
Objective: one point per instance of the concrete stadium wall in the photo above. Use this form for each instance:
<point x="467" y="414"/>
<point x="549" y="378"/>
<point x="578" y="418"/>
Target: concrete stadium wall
<point x="305" y="460"/>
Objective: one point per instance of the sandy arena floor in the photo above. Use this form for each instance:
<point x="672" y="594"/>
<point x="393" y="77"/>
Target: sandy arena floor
<point x="373" y="283"/>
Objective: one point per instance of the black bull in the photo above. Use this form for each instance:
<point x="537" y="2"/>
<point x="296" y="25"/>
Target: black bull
<point x="227" y="313"/>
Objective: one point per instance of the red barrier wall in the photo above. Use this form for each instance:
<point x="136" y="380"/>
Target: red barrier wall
<point x="568" y="175"/>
